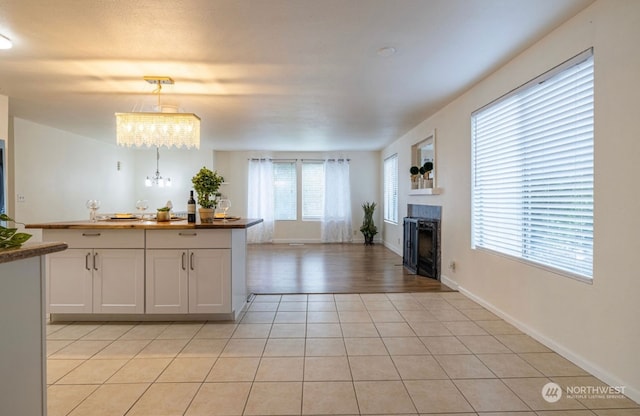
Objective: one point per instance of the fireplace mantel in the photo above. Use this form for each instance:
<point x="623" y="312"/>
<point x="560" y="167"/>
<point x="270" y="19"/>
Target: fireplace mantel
<point x="426" y="191"/>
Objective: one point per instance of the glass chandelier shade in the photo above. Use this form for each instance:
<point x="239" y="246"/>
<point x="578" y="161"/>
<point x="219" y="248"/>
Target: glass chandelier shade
<point x="158" y="129"/>
<point x="165" y="127"/>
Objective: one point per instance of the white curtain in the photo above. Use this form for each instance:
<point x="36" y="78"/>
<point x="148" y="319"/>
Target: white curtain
<point x="260" y="202"/>
<point x="336" y="224"/>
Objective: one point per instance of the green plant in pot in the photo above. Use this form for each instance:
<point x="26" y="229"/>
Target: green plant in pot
<point x="10" y="237"/>
<point x="368" y="228"/>
<point x="163" y="214"/>
<point x="206" y="184"/>
<point x="427" y="167"/>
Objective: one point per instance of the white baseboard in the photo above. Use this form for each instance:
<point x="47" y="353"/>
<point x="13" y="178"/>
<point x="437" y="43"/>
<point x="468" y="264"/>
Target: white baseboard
<point x="597" y="371"/>
<point x="392" y="248"/>
<point x="314" y="241"/>
<point x="447" y="281"/>
<point x="296" y="241"/>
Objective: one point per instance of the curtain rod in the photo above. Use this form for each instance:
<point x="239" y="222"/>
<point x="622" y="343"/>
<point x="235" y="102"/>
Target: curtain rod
<point x="303" y="160"/>
<point x="271" y="159"/>
<point x="325" y="160"/>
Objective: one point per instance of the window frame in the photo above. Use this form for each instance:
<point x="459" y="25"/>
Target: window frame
<point x="303" y="215"/>
<point x="390" y="191"/>
<point x="538" y="237"/>
<point x="295" y="190"/>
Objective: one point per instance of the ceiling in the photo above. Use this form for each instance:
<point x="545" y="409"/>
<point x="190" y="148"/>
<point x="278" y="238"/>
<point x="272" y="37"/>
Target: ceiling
<point x="297" y="75"/>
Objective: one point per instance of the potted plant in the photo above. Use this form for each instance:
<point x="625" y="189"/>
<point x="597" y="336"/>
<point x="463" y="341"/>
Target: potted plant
<point x="414" y="171"/>
<point x="10" y="237"/>
<point x="206" y="184"/>
<point x="368" y="228"/>
<point x="163" y="214"/>
<point x="427" y="167"/>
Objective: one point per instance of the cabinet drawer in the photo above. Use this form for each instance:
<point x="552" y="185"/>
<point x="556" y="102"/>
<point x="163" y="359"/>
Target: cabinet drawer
<point x="98" y="238"/>
<point x="188" y="239"/>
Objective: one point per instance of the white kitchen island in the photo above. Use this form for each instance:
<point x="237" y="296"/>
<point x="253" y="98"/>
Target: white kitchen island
<point x="147" y="270"/>
<point x="22" y="325"/>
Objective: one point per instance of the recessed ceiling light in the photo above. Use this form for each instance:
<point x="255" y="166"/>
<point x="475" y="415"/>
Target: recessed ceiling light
<point x="386" y="51"/>
<point x="5" y="42"/>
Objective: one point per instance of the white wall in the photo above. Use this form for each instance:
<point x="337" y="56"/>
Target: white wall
<point x="364" y="172"/>
<point x="57" y="171"/>
<point x="178" y="164"/>
<point x="595" y="325"/>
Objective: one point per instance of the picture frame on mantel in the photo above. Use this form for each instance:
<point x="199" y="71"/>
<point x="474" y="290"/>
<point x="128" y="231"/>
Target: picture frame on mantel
<point x="424" y="152"/>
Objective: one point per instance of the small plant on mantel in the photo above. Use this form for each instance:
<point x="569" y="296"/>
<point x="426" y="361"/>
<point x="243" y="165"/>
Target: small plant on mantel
<point x="414" y="171"/>
<point x="428" y="167"/>
<point x="10" y="237"/>
<point x="368" y="228"/>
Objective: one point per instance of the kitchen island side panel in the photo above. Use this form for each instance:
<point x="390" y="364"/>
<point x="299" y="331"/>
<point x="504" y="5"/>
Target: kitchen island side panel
<point x="239" y="293"/>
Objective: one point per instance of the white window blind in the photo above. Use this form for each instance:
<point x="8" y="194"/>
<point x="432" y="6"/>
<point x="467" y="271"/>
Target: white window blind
<point x="532" y="166"/>
<point x="390" y="184"/>
<point x="312" y="190"/>
<point x="284" y="190"/>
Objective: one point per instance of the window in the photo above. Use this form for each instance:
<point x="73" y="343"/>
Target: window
<point x="532" y="166"/>
<point x="390" y="180"/>
<point x="284" y="190"/>
<point x="312" y="190"/>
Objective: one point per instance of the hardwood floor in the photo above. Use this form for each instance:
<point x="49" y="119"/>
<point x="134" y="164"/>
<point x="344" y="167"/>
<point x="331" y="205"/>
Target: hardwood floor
<point x="331" y="268"/>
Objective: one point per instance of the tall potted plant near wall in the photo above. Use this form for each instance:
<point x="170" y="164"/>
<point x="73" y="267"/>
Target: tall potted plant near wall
<point x="206" y="184"/>
<point x="368" y="228"/>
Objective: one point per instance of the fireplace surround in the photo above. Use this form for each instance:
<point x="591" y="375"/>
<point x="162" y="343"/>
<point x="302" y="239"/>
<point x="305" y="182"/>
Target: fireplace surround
<point x="421" y="248"/>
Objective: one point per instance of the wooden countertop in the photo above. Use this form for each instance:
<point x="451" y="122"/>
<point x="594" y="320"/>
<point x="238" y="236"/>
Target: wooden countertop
<point x="30" y="250"/>
<point x="147" y="225"/>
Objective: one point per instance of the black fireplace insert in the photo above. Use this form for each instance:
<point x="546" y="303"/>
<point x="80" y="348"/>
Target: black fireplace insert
<point x="421" y="253"/>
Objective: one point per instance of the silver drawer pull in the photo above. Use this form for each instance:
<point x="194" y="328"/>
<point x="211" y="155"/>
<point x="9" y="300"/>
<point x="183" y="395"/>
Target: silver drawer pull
<point x="91" y="234"/>
<point x="187" y="234"/>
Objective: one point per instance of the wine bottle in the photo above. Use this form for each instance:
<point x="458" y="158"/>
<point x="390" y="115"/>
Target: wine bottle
<point x="191" y="208"/>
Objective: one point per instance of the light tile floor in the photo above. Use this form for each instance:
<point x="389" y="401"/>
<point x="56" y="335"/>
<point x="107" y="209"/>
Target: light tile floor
<point x="343" y="354"/>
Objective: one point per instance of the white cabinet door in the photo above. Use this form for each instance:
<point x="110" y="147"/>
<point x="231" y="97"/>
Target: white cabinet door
<point x="118" y="281"/>
<point x="69" y="281"/>
<point x="167" y="281"/>
<point x="209" y="281"/>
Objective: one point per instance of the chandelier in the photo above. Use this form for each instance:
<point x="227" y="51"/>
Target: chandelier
<point x="165" y="127"/>
<point x="157" y="179"/>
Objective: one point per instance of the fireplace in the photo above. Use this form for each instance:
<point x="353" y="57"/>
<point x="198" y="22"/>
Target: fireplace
<point x="421" y="252"/>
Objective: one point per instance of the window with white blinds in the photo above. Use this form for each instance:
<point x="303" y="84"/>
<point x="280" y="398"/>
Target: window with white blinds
<point x="285" y="190"/>
<point x="390" y="184"/>
<point x="312" y="190"/>
<point x="532" y="167"/>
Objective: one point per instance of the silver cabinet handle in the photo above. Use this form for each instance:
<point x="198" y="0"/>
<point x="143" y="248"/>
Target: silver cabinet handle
<point x="91" y="234"/>
<point x="95" y="266"/>
<point x="191" y="262"/>
<point x="187" y="234"/>
<point x="86" y="261"/>
<point x="184" y="255"/>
